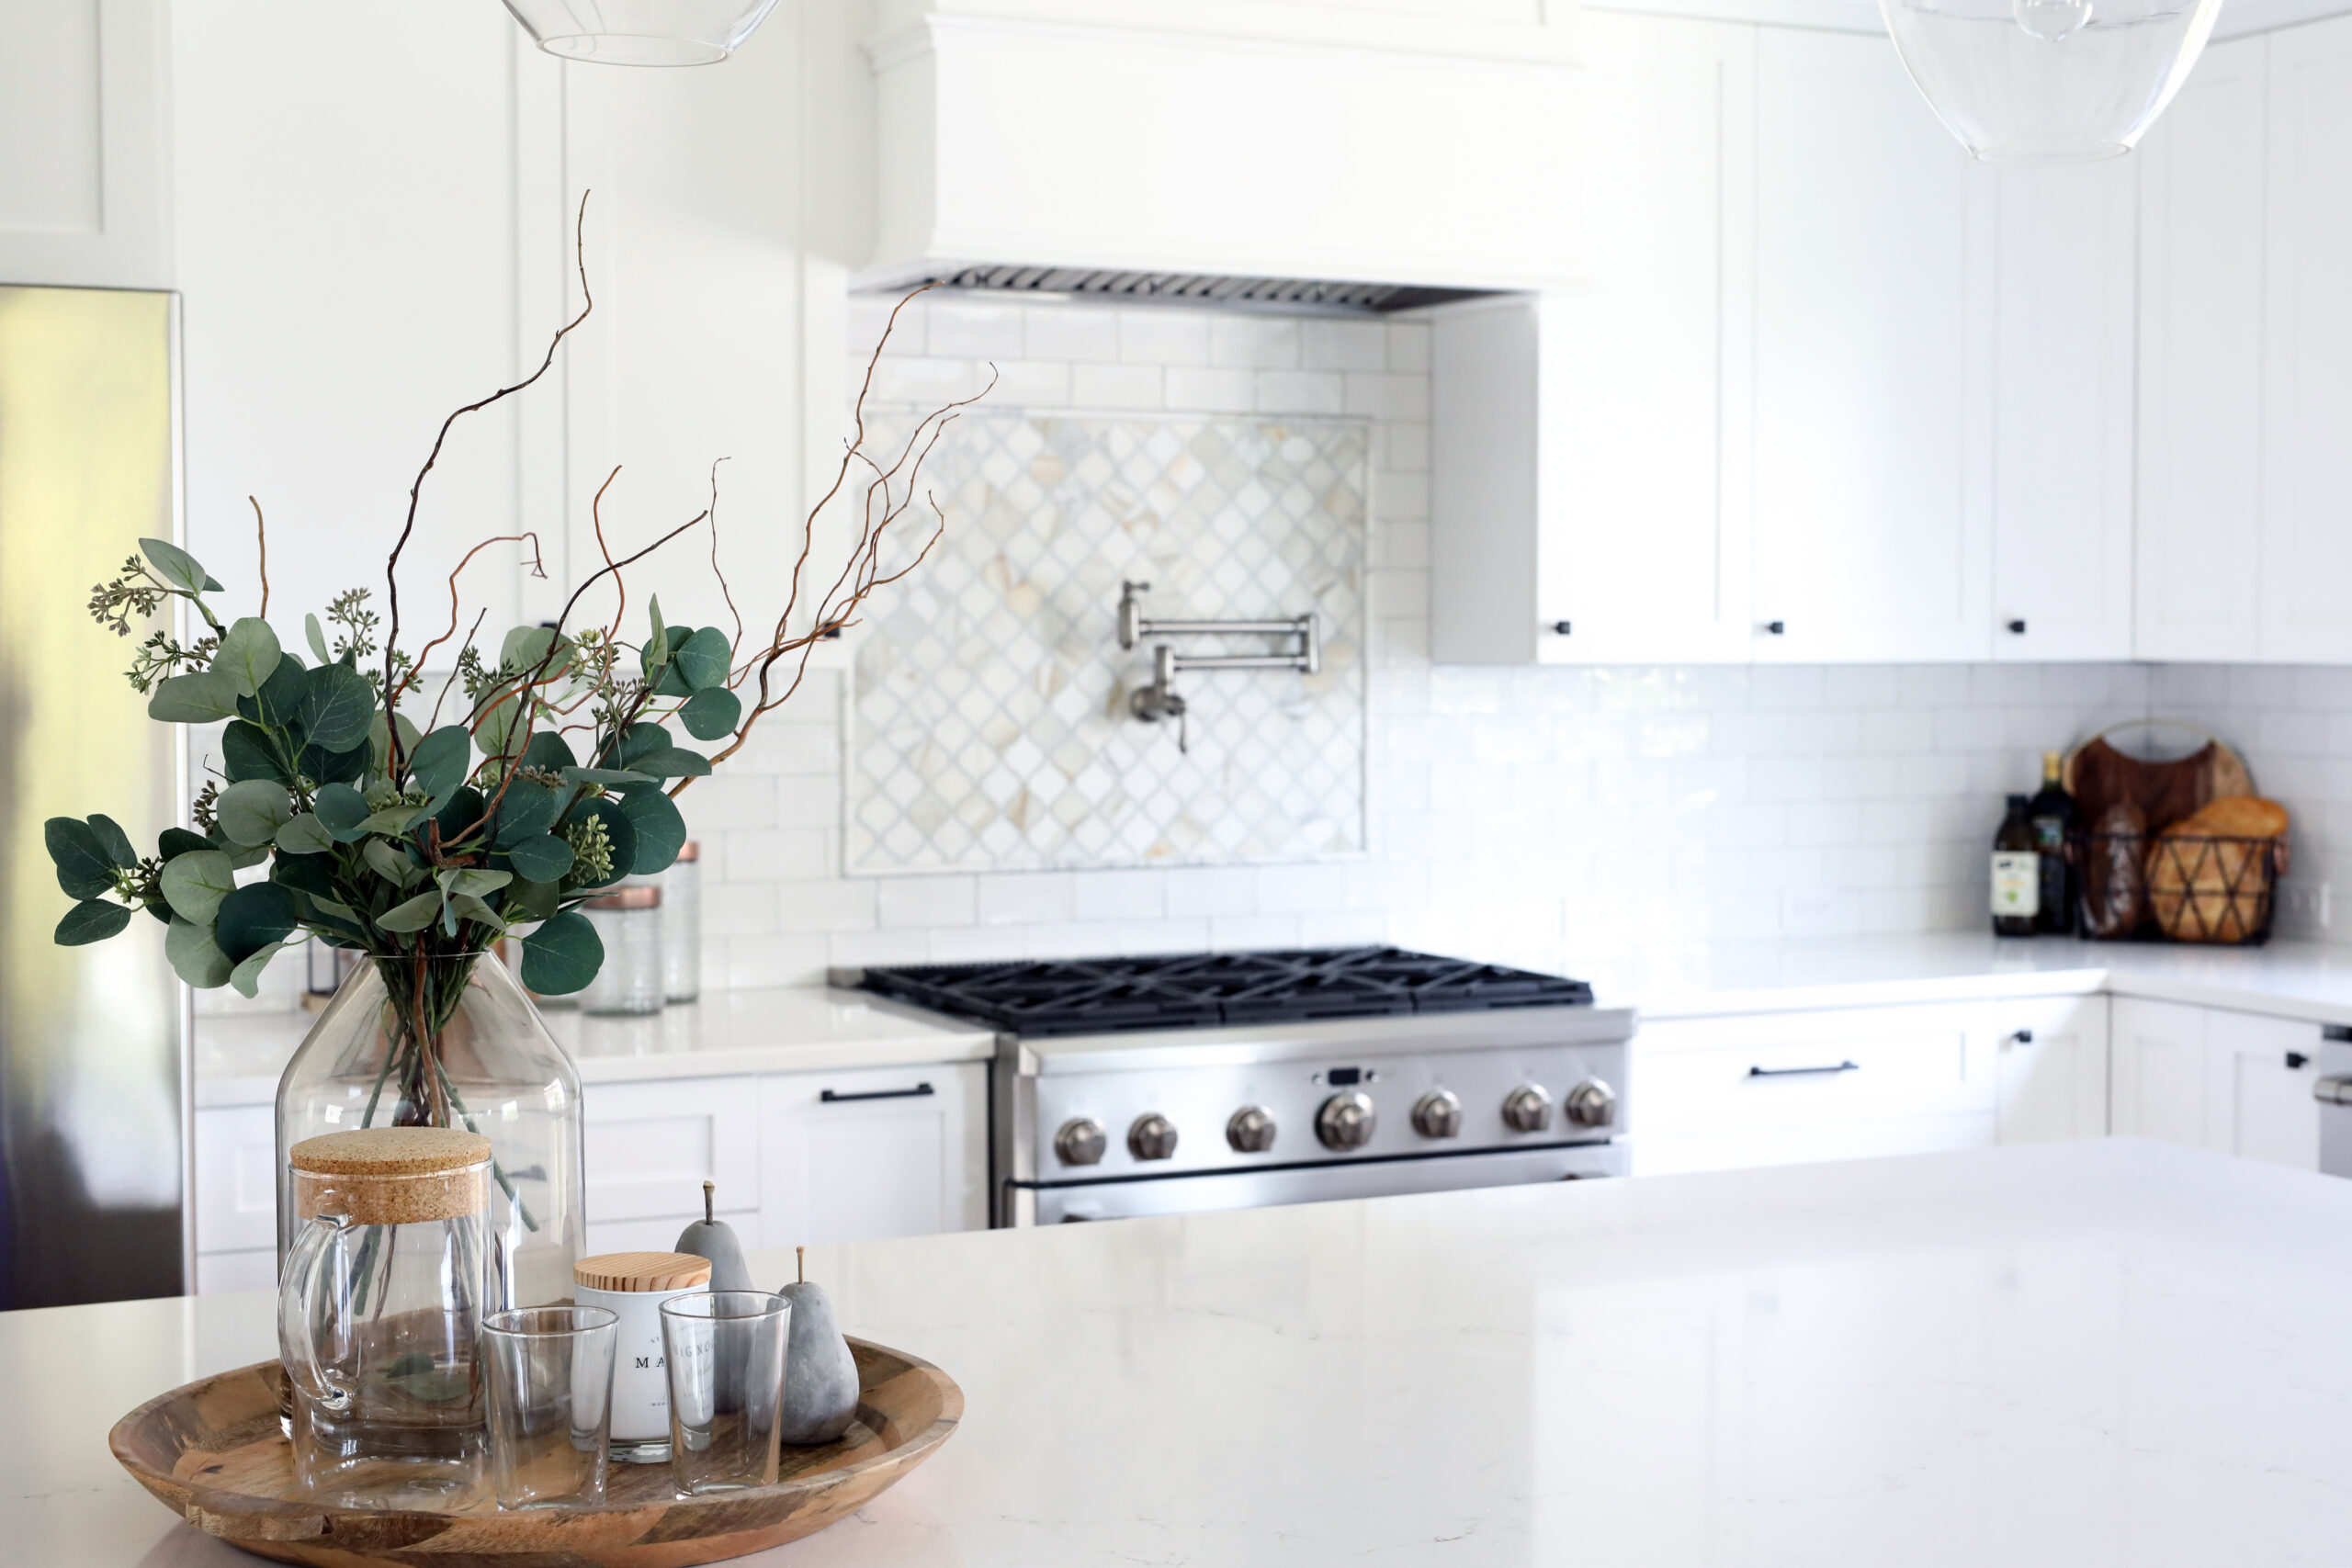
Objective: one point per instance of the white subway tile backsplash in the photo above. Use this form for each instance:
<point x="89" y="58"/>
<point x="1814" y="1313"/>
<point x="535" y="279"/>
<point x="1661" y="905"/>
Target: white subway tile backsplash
<point x="974" y="328"/>
<point x="1409" y="347"/>
<point x="1210" y="389"/>
<point x="1159" y="335"/>
<point x="1302" y="392"/>
<point x="1251" y="341"/>
<point x="1066" y="331"/>
<point x="1343" y="346"/>
<point x="1116" y="387"/>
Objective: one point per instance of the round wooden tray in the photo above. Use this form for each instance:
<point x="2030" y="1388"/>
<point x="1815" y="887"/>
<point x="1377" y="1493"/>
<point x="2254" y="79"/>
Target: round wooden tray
<point x="213" y="1452"/>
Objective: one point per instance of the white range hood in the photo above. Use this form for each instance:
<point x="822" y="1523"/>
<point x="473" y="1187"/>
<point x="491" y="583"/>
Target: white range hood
<point x="1031" y="150"/>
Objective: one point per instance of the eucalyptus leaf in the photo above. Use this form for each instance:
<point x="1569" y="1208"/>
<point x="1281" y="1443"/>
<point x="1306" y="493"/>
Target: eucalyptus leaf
<point x="459" y="814"/>
<point x="441" y="762"/>
<point x="279" y="703"/>
<point x="671" y="763"/>
<point x="621" y="834"/>
<point x="246" y="976"/>
<point x="315" y="635"/>
<point x="543" y="859"/>
<point x="305" y="835"/>
<point x="173" y="842"/>
<point x="205" y="697"/>
<point x="196" y="958"/>
<point x="344" y="810"/>
<point x="311" y="875"/>
<point x="661" y="831"/>
<point x="176" y="567"/>
<point x="248" y="654"/>
<point x="251" y="917"/>
<point x="638" y="741"/>
<point x="243" y="855"/>
<point x="525" y="647"/>
<point x="412" y="915"/>
<point x="497" y="726"/>
<point x="379" y="746"/>
<point x="562" y="956"/>
<point x="605" y="776"/>
<point x="710" y="713"/>
<point x="247" y="752"/>
<point x="394" y="819"/>
<point x="337" y="703"/>
<point x="252" y="812"/>
<point x="194" y="884"/>
<point x="114" y="841"/>
<point x="534" y="900"/>
<point x="322" y="766"/>
<point x="465" y="906"/>
<point x="673" y="683"/>
<point x="339" y="913"/>
<point x="92" y="919"/>
<point x="525" y="810"/>
<point x="658" y="650"/>
<point x="549" y="750"/>
<point x="390" y="864"/>
<point x="84" y="868"/>
<point x="707" y="659"/>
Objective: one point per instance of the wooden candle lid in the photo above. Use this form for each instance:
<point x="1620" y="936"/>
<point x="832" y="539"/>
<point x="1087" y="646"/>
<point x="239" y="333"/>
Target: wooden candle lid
<point x="642" y="1271"/>
<point x="390" y="1176"/>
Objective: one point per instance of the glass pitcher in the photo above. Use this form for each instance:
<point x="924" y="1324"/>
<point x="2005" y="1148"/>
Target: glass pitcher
<point x="379" y="1317"/>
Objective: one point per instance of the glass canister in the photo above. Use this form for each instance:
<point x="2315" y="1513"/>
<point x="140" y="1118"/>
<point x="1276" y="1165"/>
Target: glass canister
<point x="379" y="1317"/>
<point x="682" y="926"/>
<point x="633" y="1285"/>
<point x="628" y="922"/>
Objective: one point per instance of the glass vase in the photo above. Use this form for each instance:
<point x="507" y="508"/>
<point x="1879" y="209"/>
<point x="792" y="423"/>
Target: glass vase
<point x="452" y="1041"/>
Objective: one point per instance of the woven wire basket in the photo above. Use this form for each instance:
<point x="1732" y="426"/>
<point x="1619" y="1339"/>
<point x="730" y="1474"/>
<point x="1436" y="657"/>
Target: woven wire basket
<point x="2179" y="887"/>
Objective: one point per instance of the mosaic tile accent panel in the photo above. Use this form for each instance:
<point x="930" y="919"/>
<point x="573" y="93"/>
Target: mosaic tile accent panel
<point x="990" y="726"/>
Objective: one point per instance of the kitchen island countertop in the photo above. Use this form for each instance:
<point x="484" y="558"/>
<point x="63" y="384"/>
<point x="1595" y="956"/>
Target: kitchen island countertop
<point x="2084" y="1354"/>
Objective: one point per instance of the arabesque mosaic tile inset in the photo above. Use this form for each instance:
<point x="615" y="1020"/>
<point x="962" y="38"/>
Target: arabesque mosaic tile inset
<point x="990" y="726"/>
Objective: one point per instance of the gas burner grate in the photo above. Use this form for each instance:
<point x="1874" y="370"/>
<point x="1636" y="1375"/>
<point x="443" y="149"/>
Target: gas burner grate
<point x="1091" y="996"/>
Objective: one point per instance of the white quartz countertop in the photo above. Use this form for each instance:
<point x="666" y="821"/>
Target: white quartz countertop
<point x="2081" y="1354"/>
<point x="2304" y="980"/>
<point x="782" y="1029"/>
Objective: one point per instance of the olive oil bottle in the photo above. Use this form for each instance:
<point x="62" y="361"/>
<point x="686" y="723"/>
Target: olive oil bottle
<point x="2017" y="873"/>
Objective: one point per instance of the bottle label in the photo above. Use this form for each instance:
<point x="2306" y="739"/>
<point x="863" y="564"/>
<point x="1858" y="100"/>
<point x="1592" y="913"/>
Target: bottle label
<point x="2050" y="832"/>
<point x="2016" y="883"/>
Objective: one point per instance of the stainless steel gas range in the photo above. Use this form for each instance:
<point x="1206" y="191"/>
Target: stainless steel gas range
<point x="1175" y="1085"/>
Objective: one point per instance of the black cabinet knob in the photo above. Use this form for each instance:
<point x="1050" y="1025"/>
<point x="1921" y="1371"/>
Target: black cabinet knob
<point x="1561" y="627"/>
<point x="1778" y="628"/>
<point x="2296" y="1060"/>
<point x="2016" y="629"/>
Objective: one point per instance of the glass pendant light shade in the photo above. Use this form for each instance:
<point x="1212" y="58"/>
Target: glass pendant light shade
<point x="640" y="32"/>
<point x="2049" y="81"/>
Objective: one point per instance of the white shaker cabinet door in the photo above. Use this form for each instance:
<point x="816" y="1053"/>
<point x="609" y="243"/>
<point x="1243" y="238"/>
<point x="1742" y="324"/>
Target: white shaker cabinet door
<point x="2062" y="424"/>
<point x="2196" y="550"/>
<point x="877" y="1152"/>
<point x="1643" y="541"/>
<point x="2258" y="1076"/>
<point x="2157" y="1050"/>
<point x="649" y="1147"/>
<point x="2306" y="543"/>
<point x="2052" y="1067"/>
<point x="85" y="128"/>
<point x="1873" y="361"/>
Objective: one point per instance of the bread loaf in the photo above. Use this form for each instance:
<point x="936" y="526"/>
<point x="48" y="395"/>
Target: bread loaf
<point x="2236" y="817"/>
<point x="2115" y="893"/>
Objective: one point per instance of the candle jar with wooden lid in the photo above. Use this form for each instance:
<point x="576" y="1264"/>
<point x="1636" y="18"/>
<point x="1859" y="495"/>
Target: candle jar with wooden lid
<point x="379" y="1317"/>
<point x="634" y="1285"/>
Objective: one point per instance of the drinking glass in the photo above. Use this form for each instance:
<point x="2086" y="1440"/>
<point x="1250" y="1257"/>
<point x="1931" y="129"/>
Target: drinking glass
<point x="724" y="1350"/>
<point x="550" y="1371"/>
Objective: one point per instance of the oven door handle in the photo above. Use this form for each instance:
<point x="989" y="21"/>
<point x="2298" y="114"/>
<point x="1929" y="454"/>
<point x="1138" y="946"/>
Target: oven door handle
<point x="1805" y="1072"/>
<point x="2333" y="1090"/>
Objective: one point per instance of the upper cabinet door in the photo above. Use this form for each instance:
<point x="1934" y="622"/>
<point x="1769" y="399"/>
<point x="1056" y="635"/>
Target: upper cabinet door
<point x="2061" y="429"/>
<point x="1873" y="362"/>
<point x="1643" y="544"/>
<point x="2197" y="543"/>
<point x="82" y="112"/>
<point x="2306" y="537"/>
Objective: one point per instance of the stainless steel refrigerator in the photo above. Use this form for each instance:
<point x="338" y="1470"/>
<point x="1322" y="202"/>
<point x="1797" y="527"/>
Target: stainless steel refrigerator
<point x="94" y="1075"/>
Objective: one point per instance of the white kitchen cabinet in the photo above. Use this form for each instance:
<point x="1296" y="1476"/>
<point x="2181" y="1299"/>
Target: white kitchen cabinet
<point x="84" y="199"/>
<point x="1779" y="1088"/>
<point x="236" y="1198"/>
<point x="2235" y="1082"/>
<point x="2062" y="411"/>
<point x="2306" y="533"/>
<point x="876" y="1152"/>
<point x="648" y="1148"/>
<point x="1593" y="435"/>
<point x="2196" y="548"/>
<point x="2051" y="1068"/>
<point x="1873" y="330"/>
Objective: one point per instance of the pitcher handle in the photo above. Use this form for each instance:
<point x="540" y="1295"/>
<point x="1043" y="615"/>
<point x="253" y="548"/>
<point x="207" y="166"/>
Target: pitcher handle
<point x="297" y="1311"/>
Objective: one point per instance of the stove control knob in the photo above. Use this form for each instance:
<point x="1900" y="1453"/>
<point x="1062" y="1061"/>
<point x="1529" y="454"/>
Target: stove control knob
<point x="1591" y="1103"/>
<point x="1346" y="1121"/>
<point x="1437" y="1114"/>
<point x="1080" y="1141"/>
<point x="1251" y="1130"/>
<point x="1527" y="1109"/>
<point x="1153" y="1136"/>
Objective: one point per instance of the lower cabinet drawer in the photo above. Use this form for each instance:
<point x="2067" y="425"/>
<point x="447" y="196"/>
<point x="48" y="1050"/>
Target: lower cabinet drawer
<point x="1758" y="1072"/>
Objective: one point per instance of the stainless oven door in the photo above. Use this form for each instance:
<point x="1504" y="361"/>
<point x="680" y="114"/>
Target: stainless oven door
<point x="1057" y="1203"/>
<point x="2333" y="1089"/>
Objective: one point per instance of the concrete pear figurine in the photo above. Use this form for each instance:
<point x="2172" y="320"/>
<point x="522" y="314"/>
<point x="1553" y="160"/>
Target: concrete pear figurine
<point x="715" y="1239"/>
<point x="819" y="1374"/>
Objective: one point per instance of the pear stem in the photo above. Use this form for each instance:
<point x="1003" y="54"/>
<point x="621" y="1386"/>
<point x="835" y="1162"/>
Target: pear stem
<point x="709" y="1188"/>
<point x="801" y="1253"/>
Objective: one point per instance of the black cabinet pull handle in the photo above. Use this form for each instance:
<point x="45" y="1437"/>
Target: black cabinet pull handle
<point x="2016" y="629"/>
<point x="830" y="1098"/>
<point x="1561" y="627"/>
<point x="2337" y="1031"/>
<point x="2023" y="1037"/>
<point x="1802" y="1072"/>
<point x="2296" y="1060"/>
<point x="1778" y="628"/>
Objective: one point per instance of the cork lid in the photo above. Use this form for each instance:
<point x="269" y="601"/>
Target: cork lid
<point x="642" y="1271"/>
<point x="390" y="1176"/>
<point x="637" y="896"/>
<point x="388" y="1151"/>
